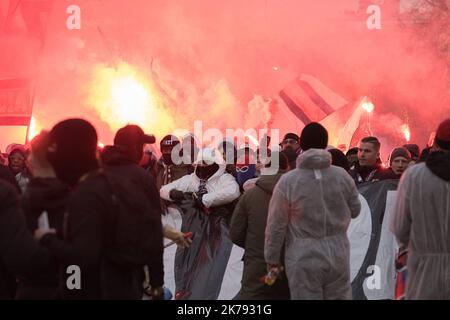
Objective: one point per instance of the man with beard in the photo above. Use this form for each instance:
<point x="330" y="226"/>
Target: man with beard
<point x="292" y="141"/>
<point x="421" y="221"/>
<point x="108" y="244"/>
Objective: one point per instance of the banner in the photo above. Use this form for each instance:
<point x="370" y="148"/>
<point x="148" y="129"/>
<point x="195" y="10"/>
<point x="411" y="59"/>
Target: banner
<point x="15" y="102"/>
<point x="228" y="282"/>
<point x="372" y="246"/>
<point x="372" y="249"/>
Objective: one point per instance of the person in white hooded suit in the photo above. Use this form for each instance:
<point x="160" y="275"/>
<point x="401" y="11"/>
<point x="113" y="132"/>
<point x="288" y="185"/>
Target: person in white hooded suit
<point x="221" y="187"/>
<point x="309" y="214"/>
<point x="206" y="199"/>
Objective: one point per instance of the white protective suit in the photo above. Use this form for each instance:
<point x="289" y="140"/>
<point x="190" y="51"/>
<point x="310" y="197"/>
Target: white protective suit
<point x="309" y="212"/>
<point x="422" y="221"/>
<point x="222" y="187"/>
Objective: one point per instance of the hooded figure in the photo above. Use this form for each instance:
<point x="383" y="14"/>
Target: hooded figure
<point x="309" y="214"/>
<point x="422" y="221"/>
<point x="209" y="175"/>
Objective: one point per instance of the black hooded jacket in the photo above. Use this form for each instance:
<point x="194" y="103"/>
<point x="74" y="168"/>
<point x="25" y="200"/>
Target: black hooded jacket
<point x="20" y="254"/>
<point x="439" y="164"/>
<point x="115" y="160"/>
<point x="86" y="234"/>
<point x="49" y="195"/>
<point x="6" y="175"/>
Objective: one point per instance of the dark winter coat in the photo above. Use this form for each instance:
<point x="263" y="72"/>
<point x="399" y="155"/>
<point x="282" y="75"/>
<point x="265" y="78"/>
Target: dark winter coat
<point x="86" y="237"/>
<point x="361" y="174"/>
<point x="118" y="163"/>
<point x="7" y="175"/>
<point x="386" y="174"/>
<point x="247" y="229"/>
<point x="20" y="254"/>
<point x="49" y="195"/>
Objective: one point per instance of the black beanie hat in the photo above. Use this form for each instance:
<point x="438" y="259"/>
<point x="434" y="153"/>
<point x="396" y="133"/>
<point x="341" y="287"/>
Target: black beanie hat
<point x="314" y="135"/>
<point x="399" y="152"/>
<point x="73" y="144"/>
<point x="291" y="135"/>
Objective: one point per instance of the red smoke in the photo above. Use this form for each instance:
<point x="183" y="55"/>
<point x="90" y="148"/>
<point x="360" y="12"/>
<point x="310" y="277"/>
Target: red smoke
<point x="212" y="57"/>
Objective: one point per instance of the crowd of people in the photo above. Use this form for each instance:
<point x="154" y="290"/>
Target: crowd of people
<point x="103" y="210"/>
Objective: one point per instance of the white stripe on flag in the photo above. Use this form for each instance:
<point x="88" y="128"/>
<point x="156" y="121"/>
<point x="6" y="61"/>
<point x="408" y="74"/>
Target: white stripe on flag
<point x="231" y="283"/>
<point x="310" y="100"/>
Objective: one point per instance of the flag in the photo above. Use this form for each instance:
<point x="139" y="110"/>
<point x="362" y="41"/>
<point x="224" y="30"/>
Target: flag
<point x="221" y="279"/>
<point x="344" y="123"/>
<point x="15" y="102"/>
<point x="309" y="100"/>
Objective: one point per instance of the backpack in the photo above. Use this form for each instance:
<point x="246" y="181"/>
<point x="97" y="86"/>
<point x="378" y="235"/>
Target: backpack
<point x="130" y="236"/>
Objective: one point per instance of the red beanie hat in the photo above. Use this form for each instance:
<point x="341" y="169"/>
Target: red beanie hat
<point x="443" y="135"/>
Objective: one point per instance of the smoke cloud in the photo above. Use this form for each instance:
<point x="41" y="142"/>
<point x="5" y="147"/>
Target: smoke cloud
<point x="206" y="60"/>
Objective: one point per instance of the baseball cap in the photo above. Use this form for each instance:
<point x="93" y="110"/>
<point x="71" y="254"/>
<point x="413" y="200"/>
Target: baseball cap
<point x="131" y="135"/>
